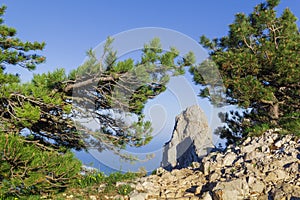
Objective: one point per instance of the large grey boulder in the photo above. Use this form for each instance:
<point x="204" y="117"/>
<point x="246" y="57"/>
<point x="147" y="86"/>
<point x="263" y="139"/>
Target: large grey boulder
<point x="237" y="189"/>
<point x="191" y="139"/>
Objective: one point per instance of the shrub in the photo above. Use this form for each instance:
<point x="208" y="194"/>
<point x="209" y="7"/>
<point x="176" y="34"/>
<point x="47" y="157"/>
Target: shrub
<point x="124" y="189"/>
<point x="26" y="169"/>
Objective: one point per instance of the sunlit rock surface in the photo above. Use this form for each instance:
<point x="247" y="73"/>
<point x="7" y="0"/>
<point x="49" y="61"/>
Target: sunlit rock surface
<point x="191" y="139"/>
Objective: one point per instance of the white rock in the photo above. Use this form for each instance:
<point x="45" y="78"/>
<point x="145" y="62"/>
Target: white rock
<point x="233" y="190"/>
<point x="139" y="187"/>
<point x="251" y="180"/>
<point x="254" y="155"/>
<point x="229" y="159"/>
<point x="258" y="186"/>
<point x="206" y="168"/>
<point x="191" y="139"/>
<point x="265" y="149"/>
<point x="247" y="141"/>
<point x="206" y="196"/>
<point x="213" y="177"/>
<point x="92" y="197"/>
<point x="148" y="184"/>
<point x="138" y="196"/>
<point x="248" y="149"/>
<point x="279" y="143"/>
<point x="195" y="165"/>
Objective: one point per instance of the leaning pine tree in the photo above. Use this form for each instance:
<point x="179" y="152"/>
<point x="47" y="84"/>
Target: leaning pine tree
<point x="260" y="65"/>
<point x="31" y="114"/>
<point x="37" y="129"/>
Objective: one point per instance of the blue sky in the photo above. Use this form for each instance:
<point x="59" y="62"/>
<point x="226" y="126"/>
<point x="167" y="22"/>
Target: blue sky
<point x="70" y="28"/>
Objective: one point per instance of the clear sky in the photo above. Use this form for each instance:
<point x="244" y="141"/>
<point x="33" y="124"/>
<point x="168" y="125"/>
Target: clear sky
<point x="71" y="27"/>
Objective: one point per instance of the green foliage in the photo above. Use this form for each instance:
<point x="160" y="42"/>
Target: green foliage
<point x="123" y="87"/>
<point x="28" y="114"/>
<point x="41" y="106"/>
<point x="96" y="179"/>
<point x="26" y="169"/>
<point x="90" y="179"/>
<point x="118" y="176"/>
<point x="125" y="189"/>
<point x="189" y="59"/>
<point x="49" y="81"/>
<point x="291" y="123"/>
<point x="31" y="165"/>
<point x="259" y="64"/>
<point x="14" y="51"/>
<point x="207" y="73"/>
<point x="257" y="130"/>
<point x="142" y="94"/>
<point x="123" y="66"/>
<point x="88" y="68"/>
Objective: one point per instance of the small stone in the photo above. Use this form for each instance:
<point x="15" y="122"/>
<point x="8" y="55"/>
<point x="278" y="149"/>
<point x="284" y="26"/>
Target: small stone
<point x="188" y="194"/>
<point x="254" y="155"/>
<point x="258" y="186"/>
<point x="278" y="194"/>
<point x="229" y="159"/>
<point x="213" y="177"/>
<point x="198" y="190"/>
<point x="170" y="195"/>
<point x="281" y="174"/>
<point x="138" y="196"/>
<point x="92" y="197"/>
<point x="230" y="189"/>
<point x="160" y="171"/>
<point x="265" y="149"/>
<point x="120" y="183"/>
<point x="274" y="136"/>
<point x="271" y="177"/>
<point x="179" y="194"/>
<point x="247" y="141"/>
<point x="120" y="197"/>
<point x="279" y="143"/>
<point x="148" y="184"/>
<point x="206" y="168"/>
<point x="251" y="180"/>
<point x="239" y="161"/>
<point x="276" y="175"/>
<point x="139" y="187"/>
<point x="206" y="196"/>
<point x="248" y="149"/>
<point x="195" y="165"/>
<point x="101" y="187"/>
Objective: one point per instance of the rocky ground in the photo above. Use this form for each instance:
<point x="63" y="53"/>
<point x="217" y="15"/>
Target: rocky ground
<point x="265" y="167"/>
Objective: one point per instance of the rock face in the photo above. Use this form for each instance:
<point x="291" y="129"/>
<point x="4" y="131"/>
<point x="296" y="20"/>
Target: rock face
<point x="191" y="139"/>
<point x="265" y="167"/>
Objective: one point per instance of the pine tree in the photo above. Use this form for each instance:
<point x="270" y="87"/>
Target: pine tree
<point x="122" y="87"/>
<point x="260" y="65"/>
<point x="31" y="115"/>
<point x="39" y="106"/>
<point x="45" y="106"/>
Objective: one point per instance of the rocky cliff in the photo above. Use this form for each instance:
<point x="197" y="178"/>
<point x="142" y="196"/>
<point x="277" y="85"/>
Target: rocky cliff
<point x="191" y="139"/>
<point x="265" y="167"/>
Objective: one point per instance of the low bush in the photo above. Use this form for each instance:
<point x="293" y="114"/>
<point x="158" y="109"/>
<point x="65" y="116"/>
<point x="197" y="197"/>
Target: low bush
<point x="26" y="169"/>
